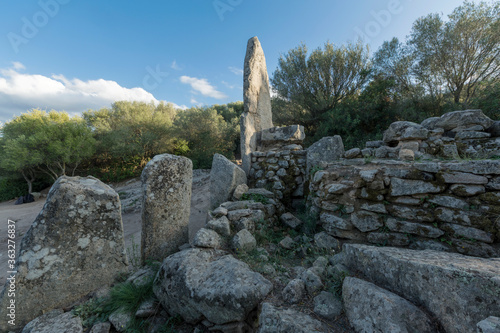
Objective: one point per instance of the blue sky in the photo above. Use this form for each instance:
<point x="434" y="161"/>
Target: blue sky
<point x="74" y="55"/>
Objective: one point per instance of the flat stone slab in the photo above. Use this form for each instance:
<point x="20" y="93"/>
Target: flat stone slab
<point x="458" y="290"/>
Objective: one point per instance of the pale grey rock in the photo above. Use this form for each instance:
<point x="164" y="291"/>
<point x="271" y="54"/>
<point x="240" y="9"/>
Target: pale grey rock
<point x="287" y="243"/>
<point x="465" y="118"/>
<point x="406" y="155"/>
<point x="463" y="178"/>
<point x="237" y="214"/>
<point x="207" y="238"/>
<point x="449" y="285"/>
<point x="293" y="133"/>
<point x="368" y="175"/>
<point x="489" y="325"/>
<point x="430" y="245"/>
<point x="142" y="276"/>
<point x="376" y="208"/>
<point x="370" y="308"/>
<point x="414" y="133"/>
<point x="244" y="223"/>
<point x="367" y="152"/>
<point x="448" y="201"/>
<point x="464" y="190"/>
<point x="244" y="204"/>
<point x="330" y="221"/>
<point x="225" y="177"/>
<point x="401" y="187"/>
<point x="475" y="248"/>
<point x="294" y="291"/>
<point x="257" y="114"/>
<point x="468" y="232"/>
<point x="430" y="123"/>
<point x="387" y="152"/>
<point x="63" y="323"/>
<point x="326" y="150"/>
<point x="46" y="317"/>
<point x="374" y="144"/>
<point x="337" y="188"/>
<point x="101" y="328"/>
<point x="396" y="130"/>
<point x="353" y="153"/>
<point x="244" y="241"/>
<point x="74" y="247"/>
<point x="479" y="167"/>
<point x="323" y="240"/>
<point x="274" y="320"/>
<point x="290" y="220"/>
<point x="312" y="281"/>
<point x="468" y="135"/>
<point x="462" y="217"/>
<point x="239" y="191"/>
<point x="366" y="221"/>
<point x="166" y="186"/>
<point x="410" y="145"/>
<point x="419" y="229"/>
<point x="209" y="284"/>
<point x="450" y="151"/>
<point x="412" y="213"/>
<point x="326" y="305"/>
<point x="221" y="226"/>
<point x="147" y="309"/>
<point x="120" y="320"/>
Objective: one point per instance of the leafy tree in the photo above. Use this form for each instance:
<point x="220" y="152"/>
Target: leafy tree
<point x="53" y="143"/>
<point x="461" y="52"/>
<point x="318" y="83"/>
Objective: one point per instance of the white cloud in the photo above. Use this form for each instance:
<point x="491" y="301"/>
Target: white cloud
<point x="235" y="70"/>
<point x="193" y="101"/>
<point x="202" y="86"/>
<point x="175" y="66"/>
<point x="21" y="92"/>
<point x="230" y="86"/>
<point x="17" y="65"/>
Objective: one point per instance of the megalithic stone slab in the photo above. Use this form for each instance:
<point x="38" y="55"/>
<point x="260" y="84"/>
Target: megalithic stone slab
<point x="257" y="114"/>
<point x="74" y="246"/>
<point x="166" y="203"/>
<point x="225" y="176"/>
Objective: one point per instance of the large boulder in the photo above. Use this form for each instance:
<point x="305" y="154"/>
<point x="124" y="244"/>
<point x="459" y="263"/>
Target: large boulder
<point x="166" y="205"/>
<point x="211" y="284"/>
<point x="401" y="130"/>
<point x="458" y="290"/>
<point x="74" y="246"/>
<point x="257" y="114"/>
<point x="462" y="119"/>
<point x="326" y="150"/>
<point x="288" y="134"/>
<point x="225" y="176"/>
<point x="55" y="321"/>
<point x="372" y="309"/>
<point x="278" y="320"/>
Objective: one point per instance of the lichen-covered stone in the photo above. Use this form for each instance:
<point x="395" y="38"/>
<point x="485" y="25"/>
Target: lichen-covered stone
<point x="207" y="238"/>
<point x="458" y="290"/>
<point x="293" y="133"/>
<point x="373" y="309"/>
<point x="489" y="325"/>
<point x="74" y="246"/>
<point x="294" y="291"/>
<point x="463" y="178"/>
<point x="366" y="221"/>
<point x="466" y="118"/>
<point x="221" y="226"/>
<point x="419" y="229"/>
<point x="388" y="238"/>
<point x="244" y="241"/>
<point x="326" y="305"/>
<point x="468" y="232"/>
<point x="166" y="185"/>
<point x="66" y="322"/>
<point x="209" y="284"/>
<point x="323" y="240"/>
<point x="290" y="220"/>
<point x="326" y="150"/>
<point x="330" y="221"/>
<point x="225" y="177"/>
<point x="274" y="320"/>
<point x="409" y="187"/>
<point x="464" y="190"/>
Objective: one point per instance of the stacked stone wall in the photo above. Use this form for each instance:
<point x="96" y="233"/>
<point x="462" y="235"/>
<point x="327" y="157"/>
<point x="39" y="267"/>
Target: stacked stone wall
<point x="446" y="206"/>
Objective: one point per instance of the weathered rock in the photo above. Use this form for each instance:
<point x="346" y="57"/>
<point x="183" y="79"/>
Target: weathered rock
<point x="257" y="114"/>
<point x="239" y="191"/>
<point x="290" y="220"/>
<point x="448" y="201"/>
<point x="147" y="309"/>
<point x="337" y="188"/>
<point x="406" y="155"/>
<point x="366" y="221"/>
<point x="489" y="325"/>
<point x="408" y="187"/>
<point x="293" y="133"/>
<point x="458" y="290"/>
<point x="244" y="241"/>
<point x="465" y="118"/>
<point x="287" y="243"/>
<point x="101" y="328"/>
<point x="353" y="153"/>
<point x="245" y="204"/>
<point x="373" y="309"/>
<point x="468" y="232"/>
<point x="323" y="240"/>
<point x="207" y="238"/>
<point x="327" y="305"/>
<point x="330" y="221"/>
<point x="463" y="178"/>
<point x="74" y="246"/>
<point x="120" y="320"/>
<point x="414" y="133"/>
<point x="225" y="177"/>
<point x="430" y="123"/>
<point x="311" y="280"/>
<point x="396" y="130"/>
<point x="49" y="316"/>
<point x="467" y="190"/>
<point x="209" y="283"/>
<point x="66" y="322"/>
<point x="166" y="185"/>
<point x="273" y="320"/>
<point x="419" y="229"/>
<point x="142" y="276"/>
<point x="261" y="191"/>
<point x="219" y="211"/>
<point x="294" y="291"/>
<point x="468" y="135"/>
<point x="326" y="150"/>
<point x="221" y="226"/>
<point x="388" y="238"/>
<point x="450" y="151"/>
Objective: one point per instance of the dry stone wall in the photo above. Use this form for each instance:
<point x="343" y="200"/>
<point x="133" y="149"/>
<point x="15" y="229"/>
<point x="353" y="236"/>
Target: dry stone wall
<point x="446" y="206"/>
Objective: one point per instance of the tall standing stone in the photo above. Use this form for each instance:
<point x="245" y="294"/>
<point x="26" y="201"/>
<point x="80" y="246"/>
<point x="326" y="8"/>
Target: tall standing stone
<point x="257" y="114"/>
<point x="166" y="186"/>
<point x="74" y="246"/>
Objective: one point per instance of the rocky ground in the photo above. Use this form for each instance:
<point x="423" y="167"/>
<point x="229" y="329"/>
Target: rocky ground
<point x="130" y="195"/>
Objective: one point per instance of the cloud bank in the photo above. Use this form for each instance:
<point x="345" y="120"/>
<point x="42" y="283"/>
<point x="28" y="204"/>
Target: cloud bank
<point x="202" y="86"/>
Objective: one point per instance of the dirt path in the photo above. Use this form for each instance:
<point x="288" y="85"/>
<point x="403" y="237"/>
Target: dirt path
<point x="130" y="195"/>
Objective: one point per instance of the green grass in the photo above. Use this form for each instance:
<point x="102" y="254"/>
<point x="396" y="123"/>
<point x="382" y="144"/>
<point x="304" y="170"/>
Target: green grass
<point x="255" y="197"/>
